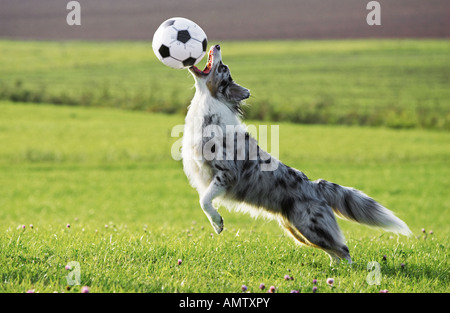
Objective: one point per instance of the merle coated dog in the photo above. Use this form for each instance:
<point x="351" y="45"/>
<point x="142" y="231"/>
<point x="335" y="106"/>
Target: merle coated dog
<point x="223" y="162"/>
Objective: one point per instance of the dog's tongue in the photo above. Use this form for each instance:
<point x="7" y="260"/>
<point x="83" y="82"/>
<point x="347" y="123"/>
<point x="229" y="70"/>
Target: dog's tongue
<point x="208" y="66"/>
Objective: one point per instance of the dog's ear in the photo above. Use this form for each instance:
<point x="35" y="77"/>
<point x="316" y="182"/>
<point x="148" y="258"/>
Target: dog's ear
<point x="236" y="93"/>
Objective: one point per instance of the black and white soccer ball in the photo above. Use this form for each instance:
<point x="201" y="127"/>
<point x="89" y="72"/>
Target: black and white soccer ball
<point x="179" y="43"/>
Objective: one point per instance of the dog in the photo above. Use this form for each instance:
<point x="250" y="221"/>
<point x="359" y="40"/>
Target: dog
<point x="219" y="163"/>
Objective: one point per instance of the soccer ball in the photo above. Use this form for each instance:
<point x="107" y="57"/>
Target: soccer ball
<point x="179" y="43"/>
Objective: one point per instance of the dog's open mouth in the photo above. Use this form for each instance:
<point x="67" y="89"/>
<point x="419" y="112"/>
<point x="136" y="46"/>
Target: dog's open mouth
<point x="208" y="66"/>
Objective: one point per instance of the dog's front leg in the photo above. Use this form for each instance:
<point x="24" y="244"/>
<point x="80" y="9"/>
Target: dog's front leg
<point x="214" y="190"/>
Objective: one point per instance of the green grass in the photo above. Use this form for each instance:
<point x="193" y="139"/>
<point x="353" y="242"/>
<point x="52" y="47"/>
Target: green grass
<point x="393" y="83"/>
<point x="132" y="214"/>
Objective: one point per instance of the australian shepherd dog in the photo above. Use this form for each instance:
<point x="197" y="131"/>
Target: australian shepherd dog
<point x="224" y="162"/>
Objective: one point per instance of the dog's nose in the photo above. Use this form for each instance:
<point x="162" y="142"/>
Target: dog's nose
<point x="217" y="47"/>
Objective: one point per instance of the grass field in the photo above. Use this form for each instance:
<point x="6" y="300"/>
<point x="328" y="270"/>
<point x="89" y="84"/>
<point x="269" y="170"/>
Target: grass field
<point x="394" y="83"/>
<point x="109" y="175"/>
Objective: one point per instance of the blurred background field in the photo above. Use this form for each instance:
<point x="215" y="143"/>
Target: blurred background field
<point x="393" y="83"/>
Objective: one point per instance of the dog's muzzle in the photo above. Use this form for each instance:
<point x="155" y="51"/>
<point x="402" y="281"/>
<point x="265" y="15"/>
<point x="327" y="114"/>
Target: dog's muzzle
<point x="213" y="55"/>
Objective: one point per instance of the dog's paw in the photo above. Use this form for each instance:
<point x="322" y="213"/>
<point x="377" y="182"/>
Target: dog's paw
<point x="218" y="225"/>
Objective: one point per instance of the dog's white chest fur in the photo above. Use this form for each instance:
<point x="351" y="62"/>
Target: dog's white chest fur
<point x="203" y="106"/>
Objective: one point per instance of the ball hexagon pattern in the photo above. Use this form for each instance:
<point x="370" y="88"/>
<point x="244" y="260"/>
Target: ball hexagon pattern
<point x="179" y="43"/>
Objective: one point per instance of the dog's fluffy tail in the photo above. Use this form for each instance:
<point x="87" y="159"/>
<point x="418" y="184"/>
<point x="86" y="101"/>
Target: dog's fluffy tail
<point x="354" y="205"/>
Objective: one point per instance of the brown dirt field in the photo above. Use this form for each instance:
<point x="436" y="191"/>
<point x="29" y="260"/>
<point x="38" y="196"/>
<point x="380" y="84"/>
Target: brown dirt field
<point x="225" y="19"/>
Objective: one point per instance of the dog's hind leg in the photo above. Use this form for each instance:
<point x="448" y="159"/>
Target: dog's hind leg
<point x="301" y="239"/>
<point x="313" y="223"/>
<point x="214" y="190"/>
<point x="294" y="232"/>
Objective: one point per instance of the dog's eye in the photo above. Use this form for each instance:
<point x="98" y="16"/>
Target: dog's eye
<point x="222" y="68"/>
